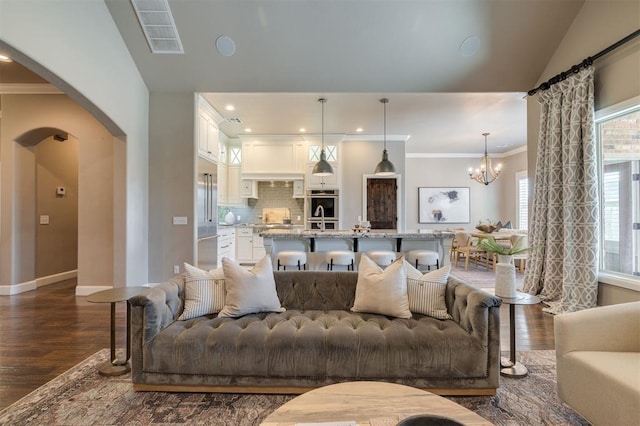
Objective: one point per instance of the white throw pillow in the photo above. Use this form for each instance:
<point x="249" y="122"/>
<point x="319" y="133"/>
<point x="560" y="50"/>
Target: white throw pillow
<point x="249" y="291"/>
<point x="381" y="291"/>
<point x="427" y="292"/>
<point x="203" y="292"/>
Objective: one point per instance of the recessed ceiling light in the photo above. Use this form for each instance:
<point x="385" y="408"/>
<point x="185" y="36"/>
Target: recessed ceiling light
<point x="504" y="145"/>
<point x="359" y="130"/>
<point x="5" y="58"/>
<point x="470" y="46"/>
<point x="226" y="46"/>
<point x="247" y="129"/>
<point x="230" y="108"/>
<point x="302" y="130"/>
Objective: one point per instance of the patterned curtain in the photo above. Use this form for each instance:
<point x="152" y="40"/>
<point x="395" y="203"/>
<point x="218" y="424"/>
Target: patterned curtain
<point x="562" y="268"/>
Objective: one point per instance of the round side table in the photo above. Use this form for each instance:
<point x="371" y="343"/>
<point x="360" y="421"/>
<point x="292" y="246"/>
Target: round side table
<point x="510" y="367"/>
<point x="115" y="367"/>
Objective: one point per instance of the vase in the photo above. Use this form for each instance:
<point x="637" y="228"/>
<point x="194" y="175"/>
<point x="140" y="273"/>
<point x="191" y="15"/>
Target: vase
<point x="229" y="218"/>
<point x="506" y="280"/>
<point x="505" y="258"/>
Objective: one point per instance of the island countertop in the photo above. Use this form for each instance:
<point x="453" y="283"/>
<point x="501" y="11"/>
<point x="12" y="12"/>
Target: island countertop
<point x="348" y="233"/>
<point x="314" y="240"/>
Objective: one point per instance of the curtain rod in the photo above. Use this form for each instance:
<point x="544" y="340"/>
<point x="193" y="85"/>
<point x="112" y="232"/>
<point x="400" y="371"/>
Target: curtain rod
<point x="584" y="64"/>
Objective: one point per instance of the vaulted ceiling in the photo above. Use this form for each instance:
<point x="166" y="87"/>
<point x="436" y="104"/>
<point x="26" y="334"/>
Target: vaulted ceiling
<point x="452" y="69"/>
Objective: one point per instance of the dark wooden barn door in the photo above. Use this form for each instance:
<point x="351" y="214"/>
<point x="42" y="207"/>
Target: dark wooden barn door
<point x="382" y="203"/>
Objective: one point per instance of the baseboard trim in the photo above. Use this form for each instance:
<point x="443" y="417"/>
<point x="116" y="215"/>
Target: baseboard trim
<point x="8" y="290"/>
<point x="56" y="278"/>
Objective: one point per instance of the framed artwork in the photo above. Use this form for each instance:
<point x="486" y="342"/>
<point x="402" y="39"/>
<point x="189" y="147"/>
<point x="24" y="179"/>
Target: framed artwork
<point x="443" y="205"/>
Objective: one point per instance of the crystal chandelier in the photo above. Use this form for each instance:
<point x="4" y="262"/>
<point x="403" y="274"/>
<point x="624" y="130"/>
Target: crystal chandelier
<point x="485" y="173"/>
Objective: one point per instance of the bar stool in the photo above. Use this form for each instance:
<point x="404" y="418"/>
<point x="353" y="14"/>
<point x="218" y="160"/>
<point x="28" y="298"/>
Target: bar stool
<point x="292" y="258"/>
<point x="382" y="258"/>
<point x="340" y="257"/>
<point x="424" y="257"/>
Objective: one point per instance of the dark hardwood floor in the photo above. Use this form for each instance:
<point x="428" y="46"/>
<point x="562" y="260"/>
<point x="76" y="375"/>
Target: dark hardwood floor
<point x="47" y="331"/>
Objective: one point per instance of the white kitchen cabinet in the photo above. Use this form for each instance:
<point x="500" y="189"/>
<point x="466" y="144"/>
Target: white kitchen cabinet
<point x="244" y="244"/>
<point x="321" y="182"/>
<point x="249" y="188"/>
<point x="223" y="187"/>
<point x="332" y="152"/>
<point x="273" y="157"/>
<point x="207" y="130"/>
<point x="298" y="188"/>
<point x="234" y="184"/>
<point x="258" y="247"/>
<point x="250" y="245"/>
<point x="207" y="137"/>
<point x="226" y="243"/>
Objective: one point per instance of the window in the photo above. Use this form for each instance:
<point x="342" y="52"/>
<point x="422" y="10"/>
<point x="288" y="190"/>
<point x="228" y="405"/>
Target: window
<point x="618" y="135"/>
<point x="522" y="200"/>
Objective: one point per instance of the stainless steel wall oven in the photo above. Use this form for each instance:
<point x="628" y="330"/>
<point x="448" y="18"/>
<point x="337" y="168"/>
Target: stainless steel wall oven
<point x="323" y="202"/>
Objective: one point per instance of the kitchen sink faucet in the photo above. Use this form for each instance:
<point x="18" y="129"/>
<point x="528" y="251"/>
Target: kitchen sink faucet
<point x="320" y="210"/>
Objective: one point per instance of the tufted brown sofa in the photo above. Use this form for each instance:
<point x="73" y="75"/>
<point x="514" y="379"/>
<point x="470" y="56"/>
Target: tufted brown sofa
<point x="317" y="341"/>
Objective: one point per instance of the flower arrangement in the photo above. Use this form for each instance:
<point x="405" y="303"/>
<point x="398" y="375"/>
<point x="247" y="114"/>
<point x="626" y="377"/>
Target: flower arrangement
<point x="489" y="244"/>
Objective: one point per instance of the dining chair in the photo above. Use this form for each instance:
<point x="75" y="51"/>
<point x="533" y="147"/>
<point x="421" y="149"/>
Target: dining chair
<point x="465" y="247"/>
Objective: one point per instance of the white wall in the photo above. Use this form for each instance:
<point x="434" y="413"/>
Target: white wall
<point x="76" y="45"/>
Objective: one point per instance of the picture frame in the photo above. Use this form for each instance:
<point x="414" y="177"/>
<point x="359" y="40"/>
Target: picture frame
<point x="444" y="205"/>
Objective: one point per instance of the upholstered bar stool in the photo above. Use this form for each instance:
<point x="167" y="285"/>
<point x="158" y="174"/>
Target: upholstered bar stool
<point x="292" y="258"/>
<point x="340" y="257"/>
<point x="382" y="258"/>
<point x="427" y="258"/>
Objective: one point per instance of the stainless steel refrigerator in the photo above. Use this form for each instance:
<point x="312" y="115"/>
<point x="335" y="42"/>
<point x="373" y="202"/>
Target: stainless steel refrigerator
<point x="207" y="214"/>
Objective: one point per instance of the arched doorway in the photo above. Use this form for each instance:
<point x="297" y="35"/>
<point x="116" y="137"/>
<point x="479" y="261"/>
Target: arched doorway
<point x="48" y="191"/>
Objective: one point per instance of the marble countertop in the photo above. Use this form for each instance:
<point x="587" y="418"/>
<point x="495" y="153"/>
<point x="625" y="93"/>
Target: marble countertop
<point x="348" y="233"/>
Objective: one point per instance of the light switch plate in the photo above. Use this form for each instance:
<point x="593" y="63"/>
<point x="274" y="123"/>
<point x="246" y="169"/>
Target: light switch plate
<point x="179" y="220"/>
<point x="44" y="219"/>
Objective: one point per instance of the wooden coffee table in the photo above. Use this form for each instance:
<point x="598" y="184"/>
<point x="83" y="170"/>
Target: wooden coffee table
<point x="368" y="403"/>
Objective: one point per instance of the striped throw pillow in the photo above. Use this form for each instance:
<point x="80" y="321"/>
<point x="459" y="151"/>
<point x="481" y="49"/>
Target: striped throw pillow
<point x="427" y="292"/>
<point x="203" y="292"/>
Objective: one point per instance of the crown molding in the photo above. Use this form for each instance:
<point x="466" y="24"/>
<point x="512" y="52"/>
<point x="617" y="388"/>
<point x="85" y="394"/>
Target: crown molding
<point x="464" y="155"/>
<point x="29" y="89"/>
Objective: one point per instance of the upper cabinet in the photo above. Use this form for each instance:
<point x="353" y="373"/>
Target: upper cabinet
<point x="273" y="157"/>
<point x="207" y="130"/>
<point x="332" y="150"/>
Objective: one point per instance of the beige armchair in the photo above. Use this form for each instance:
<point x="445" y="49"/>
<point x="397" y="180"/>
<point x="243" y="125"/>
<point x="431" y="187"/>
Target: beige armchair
<point x="598" y="363"/>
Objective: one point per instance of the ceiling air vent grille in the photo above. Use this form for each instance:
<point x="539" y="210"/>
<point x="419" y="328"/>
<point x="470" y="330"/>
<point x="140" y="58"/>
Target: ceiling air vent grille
<point x="233" y="121"/>
<point x="157" y="23"/>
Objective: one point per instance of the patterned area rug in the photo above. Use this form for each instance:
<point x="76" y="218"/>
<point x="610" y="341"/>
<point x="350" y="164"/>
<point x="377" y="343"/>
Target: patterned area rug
<point x="81" y="396"/>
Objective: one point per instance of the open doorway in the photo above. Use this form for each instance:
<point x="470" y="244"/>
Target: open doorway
<point x="380" y="201"/>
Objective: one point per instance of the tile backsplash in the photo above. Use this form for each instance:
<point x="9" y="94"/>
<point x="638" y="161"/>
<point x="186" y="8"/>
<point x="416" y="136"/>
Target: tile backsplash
<point x="272" y="195"/>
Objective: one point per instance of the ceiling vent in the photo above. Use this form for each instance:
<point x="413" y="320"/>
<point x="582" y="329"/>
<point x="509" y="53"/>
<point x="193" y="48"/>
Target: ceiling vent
<point x="233" y="121"/>
<point x="157" y="23"/>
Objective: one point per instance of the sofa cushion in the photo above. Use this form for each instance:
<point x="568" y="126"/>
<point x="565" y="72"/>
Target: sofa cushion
<point x="381" y="291"/>
<point x="203" y="292"/>
<point x="427" y="292"/>
<point x="317" y="344"/>
<point x="249" y="291"/>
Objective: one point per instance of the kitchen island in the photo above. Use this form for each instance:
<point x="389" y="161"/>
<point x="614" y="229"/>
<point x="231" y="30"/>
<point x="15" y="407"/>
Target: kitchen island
<point x="316" y="242"/>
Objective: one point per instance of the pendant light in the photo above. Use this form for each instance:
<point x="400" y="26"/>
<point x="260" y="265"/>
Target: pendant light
<point x="485" y="174"/>
<point x="322" y="167"/>
<point x="385" y="167"/>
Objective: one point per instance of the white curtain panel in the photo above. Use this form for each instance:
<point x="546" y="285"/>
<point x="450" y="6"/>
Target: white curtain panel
<point x="562" y="268"/>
